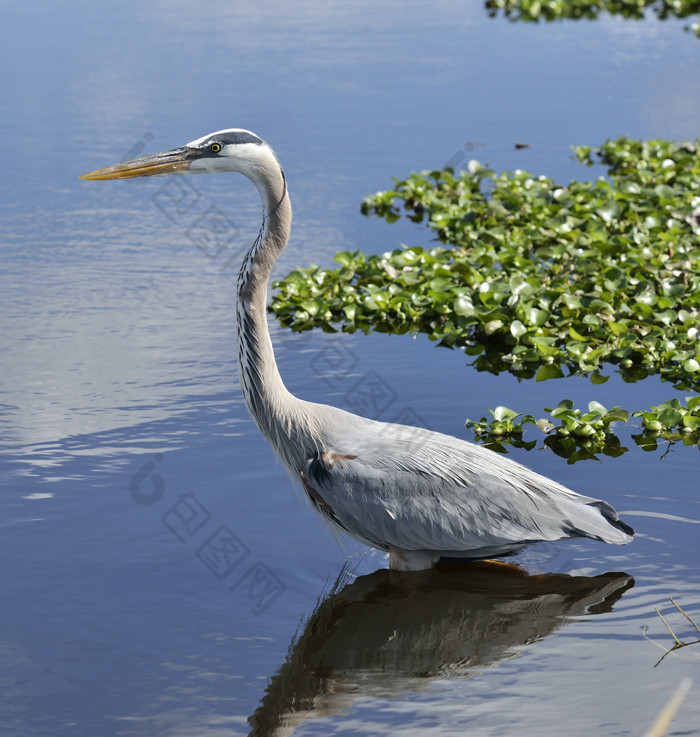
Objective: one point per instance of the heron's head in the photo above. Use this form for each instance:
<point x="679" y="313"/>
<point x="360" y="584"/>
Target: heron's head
<point x="234" y="149"/>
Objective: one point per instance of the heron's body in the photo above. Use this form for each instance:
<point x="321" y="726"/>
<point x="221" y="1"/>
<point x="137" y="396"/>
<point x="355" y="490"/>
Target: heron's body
<point x="416" y="493"/>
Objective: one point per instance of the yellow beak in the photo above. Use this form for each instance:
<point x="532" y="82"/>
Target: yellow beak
<point x="166" y="162"/>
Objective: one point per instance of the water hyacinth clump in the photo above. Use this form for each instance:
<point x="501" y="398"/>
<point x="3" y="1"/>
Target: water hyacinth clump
<point x="578" y="435"/>
<point x="535" y="278"/>
<point x="534" y="11"/>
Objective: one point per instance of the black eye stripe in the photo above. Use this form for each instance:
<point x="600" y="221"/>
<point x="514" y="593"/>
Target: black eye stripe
<point x="215" y="143"/>
<point x="237" y="136"/>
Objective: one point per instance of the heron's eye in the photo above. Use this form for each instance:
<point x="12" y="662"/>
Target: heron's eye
<point x="215" y="148"/>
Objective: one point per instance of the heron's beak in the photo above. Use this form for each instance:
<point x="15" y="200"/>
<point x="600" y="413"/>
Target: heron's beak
<point x="166" y="162"/>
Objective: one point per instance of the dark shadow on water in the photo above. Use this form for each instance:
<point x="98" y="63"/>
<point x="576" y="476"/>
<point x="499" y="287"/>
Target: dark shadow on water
<point x="391" y="632"/>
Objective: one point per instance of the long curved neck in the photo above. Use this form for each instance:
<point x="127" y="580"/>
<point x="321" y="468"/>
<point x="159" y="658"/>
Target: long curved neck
<point x="268" y="401"/>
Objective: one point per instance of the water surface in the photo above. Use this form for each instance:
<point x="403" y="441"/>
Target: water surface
<point x="127" y="456"/>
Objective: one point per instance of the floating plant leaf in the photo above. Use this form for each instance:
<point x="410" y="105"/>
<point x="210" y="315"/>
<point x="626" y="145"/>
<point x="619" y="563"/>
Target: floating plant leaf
<point x="577" y="435"/>
<point x="533" y="11"/>
<point x="593" y="273"/>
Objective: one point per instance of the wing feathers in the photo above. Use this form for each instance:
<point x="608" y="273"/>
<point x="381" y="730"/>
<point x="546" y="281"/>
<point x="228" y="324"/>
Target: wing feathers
<point x="440" y="493"/>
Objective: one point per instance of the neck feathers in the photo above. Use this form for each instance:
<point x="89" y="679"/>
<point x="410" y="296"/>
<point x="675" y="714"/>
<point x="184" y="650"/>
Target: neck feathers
<point x="267" y="399"/>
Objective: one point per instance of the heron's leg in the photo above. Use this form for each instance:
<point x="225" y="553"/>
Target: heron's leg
<point x="411" y="560"/>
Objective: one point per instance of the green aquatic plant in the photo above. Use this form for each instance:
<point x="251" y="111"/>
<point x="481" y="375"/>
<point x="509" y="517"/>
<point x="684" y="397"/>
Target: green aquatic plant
<point x="671" y="422"/>
<point x="570" y="433"/>
<point x="533" y="11"/>
<point x="533" y="277"/>
<point x="578" y="435"/>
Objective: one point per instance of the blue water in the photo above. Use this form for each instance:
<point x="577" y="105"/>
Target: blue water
<point x="160" y="576"/>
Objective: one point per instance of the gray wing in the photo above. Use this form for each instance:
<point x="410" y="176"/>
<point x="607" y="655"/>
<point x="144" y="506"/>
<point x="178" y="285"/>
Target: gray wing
<point x="413" y="489"/>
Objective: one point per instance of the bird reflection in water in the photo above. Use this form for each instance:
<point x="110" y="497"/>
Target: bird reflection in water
<point x="391" y="632"/>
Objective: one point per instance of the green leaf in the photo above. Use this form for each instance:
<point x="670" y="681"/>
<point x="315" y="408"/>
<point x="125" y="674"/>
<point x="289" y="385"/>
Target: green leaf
<point x="549" y="371"/>
<point x="345" y="258"/>
<point x="596" y="408"/>
<point x="610" y="211"/>
<point x="545" y="425"/>
<point x="492" y="326"/>
<point x="616" y="414"/>
<point x="517" y="329"/>
<point x="664" y="191"/>
<point x="670" y="417"/>
<point x="536" y="317"/>
<point x="519" y="285"/>
<point x="565" y="404"/>
<point x="463" y="306"/>
<point x="503" y="413"/>
<point x="692" y="422"/>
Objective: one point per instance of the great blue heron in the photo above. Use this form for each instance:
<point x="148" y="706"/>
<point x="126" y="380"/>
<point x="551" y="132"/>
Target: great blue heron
<point x="417" y="494"/>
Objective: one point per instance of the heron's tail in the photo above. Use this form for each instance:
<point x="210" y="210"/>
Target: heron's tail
<point x="598" y="520"/>
<point x="623" y="532"/>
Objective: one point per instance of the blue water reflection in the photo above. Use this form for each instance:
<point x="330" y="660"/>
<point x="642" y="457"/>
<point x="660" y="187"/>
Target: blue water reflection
<point x="387" y="633"/>
<point x="167" y="608"/>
